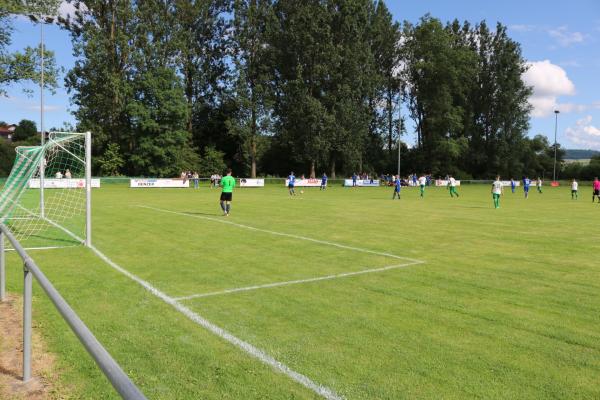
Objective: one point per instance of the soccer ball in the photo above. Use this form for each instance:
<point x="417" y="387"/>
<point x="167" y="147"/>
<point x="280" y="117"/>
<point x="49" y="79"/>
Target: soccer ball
<point x="302" y="192"/>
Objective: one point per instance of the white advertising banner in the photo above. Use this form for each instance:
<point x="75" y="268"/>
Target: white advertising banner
<point x="444" y="182"/>
<point x="159" y="183"/>
<point x="305" y="182"/>
<point x="64" y="183"/>
<point x="362" y="182"/>
<point x="507" y="183"/>
<point x="248" y="182"/>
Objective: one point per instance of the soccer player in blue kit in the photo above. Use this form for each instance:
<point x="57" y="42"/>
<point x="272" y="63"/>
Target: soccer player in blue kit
<point x="323" y="182"/>
<point x="397" y="187"/>
<point x="291" y="183"/>
<point x="526" y="183"/>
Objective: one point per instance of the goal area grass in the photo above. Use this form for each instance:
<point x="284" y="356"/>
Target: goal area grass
<point x="364" y="296"/>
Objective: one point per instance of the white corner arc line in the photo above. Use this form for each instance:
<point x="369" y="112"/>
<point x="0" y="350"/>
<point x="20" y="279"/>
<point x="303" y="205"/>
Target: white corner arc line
<point x="251" y="350"/>
<point x="324" y="242"/>
<point x="298" y="281"/>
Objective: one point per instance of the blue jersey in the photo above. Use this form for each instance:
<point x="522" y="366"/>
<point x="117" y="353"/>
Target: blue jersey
<point x="526" y="182"/>
<point x="398" y="185"/>
<point x="354" y="178"/>
<point x="292" y="180"/>
<point x="512" y="184"/>
<point x="324" y="180"/>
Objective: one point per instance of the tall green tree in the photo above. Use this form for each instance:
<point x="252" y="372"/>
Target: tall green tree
<point x="386" y="49"/>
<point x="25" y="66"/>
<point x="101" y="82"/>
<point x="351" y="82"/>
<point x="26" y="131"/>
<point x="440" y="67"/>
<point x="201" y="33"/>
<point x="126" y="87"/>
<point x="498" y="109"/>
<point x="252" y="90"/>
<point x="302" y="45"/>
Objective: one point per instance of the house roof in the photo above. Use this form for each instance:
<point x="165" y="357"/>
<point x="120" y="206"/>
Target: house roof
<point x="7" y="130"/>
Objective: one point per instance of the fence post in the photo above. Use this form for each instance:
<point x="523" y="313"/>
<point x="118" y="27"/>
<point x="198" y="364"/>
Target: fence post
<point x="27" y="294"/>
<point x="2" y="268"/>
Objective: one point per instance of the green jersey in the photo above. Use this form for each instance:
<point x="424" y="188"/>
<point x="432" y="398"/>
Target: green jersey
<point x="228" y="183"/>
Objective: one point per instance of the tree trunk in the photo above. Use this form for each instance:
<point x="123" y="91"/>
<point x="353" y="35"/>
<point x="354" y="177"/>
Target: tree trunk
<point x="253" y="158"/>
<point x="390" y="120"/>
<point x="253" y="134"/>
<point x="332" y="167"/>
<point x="360" y="164"/>
<point x="312" y="169"/>
<point x="189" y="90"/>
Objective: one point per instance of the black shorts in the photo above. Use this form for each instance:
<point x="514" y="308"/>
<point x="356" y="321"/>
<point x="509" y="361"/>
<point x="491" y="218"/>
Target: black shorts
<point x="226" y="196"/>
<point x="596" y="192"/>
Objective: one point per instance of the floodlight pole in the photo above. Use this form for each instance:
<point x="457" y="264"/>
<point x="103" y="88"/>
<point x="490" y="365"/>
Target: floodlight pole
<point x="399" y="159"/>
<point x="399" y="135"/>
<point x="43" y="162"/>
<point x="88" y="189"/>
<point x="556" y="112"/>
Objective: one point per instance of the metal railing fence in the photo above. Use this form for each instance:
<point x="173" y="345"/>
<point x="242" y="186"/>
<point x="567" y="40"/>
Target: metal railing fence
<point x="113" y="372"/>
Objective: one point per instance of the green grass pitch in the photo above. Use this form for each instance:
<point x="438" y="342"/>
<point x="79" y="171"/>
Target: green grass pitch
<point x="505" y="304"/>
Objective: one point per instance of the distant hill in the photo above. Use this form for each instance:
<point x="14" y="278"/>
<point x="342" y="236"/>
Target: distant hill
<point x="574" y="154"/>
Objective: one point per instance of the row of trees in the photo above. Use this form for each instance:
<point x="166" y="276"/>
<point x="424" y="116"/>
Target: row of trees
<point x="25" y="134"/>
<point x="316" y="85"/>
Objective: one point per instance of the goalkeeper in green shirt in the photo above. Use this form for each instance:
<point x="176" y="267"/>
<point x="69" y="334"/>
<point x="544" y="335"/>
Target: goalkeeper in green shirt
<point x="227" y="183"/>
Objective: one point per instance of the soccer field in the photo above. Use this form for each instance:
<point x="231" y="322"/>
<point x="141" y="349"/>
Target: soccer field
<point x="340" y="294"/>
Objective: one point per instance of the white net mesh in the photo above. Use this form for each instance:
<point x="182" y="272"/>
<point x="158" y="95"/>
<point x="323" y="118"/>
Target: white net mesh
<point x="61" y="220"/>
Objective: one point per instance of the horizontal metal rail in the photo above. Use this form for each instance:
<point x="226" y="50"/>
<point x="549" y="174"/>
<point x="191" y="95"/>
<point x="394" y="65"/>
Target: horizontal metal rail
<point x="113" y="372"/>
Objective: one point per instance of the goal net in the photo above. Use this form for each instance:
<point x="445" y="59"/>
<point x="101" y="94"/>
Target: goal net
<point x="43" y="201"/>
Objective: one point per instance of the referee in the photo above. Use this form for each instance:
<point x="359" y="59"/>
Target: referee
<point x="227" y="183"/>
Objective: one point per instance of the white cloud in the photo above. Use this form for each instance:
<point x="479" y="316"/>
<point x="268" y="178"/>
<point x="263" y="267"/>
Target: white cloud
<point x="584" y="133"/>
<point x="47" y="108"/>
<point x="573" y="107"/>
<point x="68" y="9"/>
<point x="522" y="28"/>
<point x="549" y="81"/>
<point x="566" y="38"/>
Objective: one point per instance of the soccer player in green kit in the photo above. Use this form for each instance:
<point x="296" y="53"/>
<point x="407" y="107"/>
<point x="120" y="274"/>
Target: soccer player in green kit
<point x="227" y="183"/>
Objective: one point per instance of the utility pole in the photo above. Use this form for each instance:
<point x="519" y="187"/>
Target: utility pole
<point x="556" y="112"/>
<point x="43" y="162"/>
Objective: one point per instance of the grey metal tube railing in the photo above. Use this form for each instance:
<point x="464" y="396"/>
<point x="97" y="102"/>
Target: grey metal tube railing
<point x="118" y="379"/>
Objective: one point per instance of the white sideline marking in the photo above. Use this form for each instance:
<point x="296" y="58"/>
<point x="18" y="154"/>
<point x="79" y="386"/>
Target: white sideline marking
<point x="299" y="281"/>
<point x="223" y="334"/>
<point x="342" y="246"/>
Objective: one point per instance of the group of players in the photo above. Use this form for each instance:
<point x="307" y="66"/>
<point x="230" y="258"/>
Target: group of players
<point x="227" y="184"/>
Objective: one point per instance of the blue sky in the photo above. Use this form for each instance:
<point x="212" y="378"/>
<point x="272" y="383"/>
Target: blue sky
<point x="560" y="39"/>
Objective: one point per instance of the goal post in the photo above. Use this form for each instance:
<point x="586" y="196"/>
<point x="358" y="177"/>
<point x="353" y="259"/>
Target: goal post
<point x="46" y="200"/>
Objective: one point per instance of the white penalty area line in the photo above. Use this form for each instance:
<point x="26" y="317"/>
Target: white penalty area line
<point x="298" y="281"/>
<point x="309" y="239"/>
<point x="292" y="282"/>
<point x="251" y="350"/>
